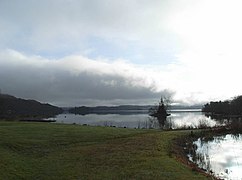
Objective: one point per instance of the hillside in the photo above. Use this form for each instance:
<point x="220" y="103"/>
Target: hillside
<point x="12" y="107"/>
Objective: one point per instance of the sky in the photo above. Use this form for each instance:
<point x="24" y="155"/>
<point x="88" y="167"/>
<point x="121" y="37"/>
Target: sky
<point x="110" y="52"/>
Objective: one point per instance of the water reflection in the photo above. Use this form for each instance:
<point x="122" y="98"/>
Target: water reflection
<point x="117" y="120"/>
<point x="178" y="119"/>
<point x="221" y="156"/>
<point x="190" y="120"/>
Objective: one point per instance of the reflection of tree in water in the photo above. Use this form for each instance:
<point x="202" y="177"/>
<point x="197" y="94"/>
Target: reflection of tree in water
<point x="169" y="123"/>
<point x="153" y="123"/>
<point x="202" y="159"/>
<point x="236" y="136"/>
<point x="220" y="156"/>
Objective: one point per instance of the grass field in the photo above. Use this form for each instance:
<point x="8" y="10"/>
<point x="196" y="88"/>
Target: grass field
<point x="58" y="151"/>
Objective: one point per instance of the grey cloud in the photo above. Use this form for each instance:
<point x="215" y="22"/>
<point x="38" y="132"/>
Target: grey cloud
<point x="53" y="81"/>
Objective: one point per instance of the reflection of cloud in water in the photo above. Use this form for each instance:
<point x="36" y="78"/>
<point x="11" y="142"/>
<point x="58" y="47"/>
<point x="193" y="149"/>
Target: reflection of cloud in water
<point x="190" y="119"/>
<point x="224" y="156"/>
<point x="130" y="121"/>
<point x="177" y="120"/>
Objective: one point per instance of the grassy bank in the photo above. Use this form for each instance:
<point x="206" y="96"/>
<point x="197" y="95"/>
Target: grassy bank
<point x="56" y="151"/>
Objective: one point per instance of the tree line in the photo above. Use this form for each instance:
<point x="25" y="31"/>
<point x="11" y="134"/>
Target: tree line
<point x="228" y="107"/>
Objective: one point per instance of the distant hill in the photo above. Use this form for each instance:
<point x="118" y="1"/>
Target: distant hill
<point x="12" y="107"/>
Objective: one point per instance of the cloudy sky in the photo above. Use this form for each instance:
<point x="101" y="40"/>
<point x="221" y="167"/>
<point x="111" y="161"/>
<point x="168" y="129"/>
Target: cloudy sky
<point x="111" y="52"/>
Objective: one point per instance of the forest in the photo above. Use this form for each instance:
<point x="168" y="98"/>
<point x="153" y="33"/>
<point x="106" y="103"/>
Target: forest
<point x="228" y="107"/>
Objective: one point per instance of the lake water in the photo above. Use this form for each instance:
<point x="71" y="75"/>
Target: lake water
<point x="221" y="155"/>
<point x="178" y="119"/>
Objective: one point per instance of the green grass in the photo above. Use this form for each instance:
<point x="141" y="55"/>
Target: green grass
<point x="57" y="151"/>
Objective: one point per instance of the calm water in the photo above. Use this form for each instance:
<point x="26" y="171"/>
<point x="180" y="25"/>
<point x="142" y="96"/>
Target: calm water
<point x="222" y="156"/>
<point x="178" y="119"/>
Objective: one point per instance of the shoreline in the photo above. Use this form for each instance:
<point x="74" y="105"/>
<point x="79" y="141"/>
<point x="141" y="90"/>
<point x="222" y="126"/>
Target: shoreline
<point x="37" y="120"/>
<point x="182" y="146"/>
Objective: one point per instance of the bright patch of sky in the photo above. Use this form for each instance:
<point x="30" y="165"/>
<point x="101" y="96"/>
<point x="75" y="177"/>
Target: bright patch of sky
<point x="191" y="49"/>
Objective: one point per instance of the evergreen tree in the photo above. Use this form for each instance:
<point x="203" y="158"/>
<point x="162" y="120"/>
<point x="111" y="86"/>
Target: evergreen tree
<point x="159" y="112"/>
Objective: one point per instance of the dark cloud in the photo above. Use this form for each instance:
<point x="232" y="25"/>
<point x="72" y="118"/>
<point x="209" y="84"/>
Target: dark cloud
<point x="63" y="83"/>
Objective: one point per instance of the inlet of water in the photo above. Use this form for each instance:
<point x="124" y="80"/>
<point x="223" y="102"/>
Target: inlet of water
<point x="221" y="156"/>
